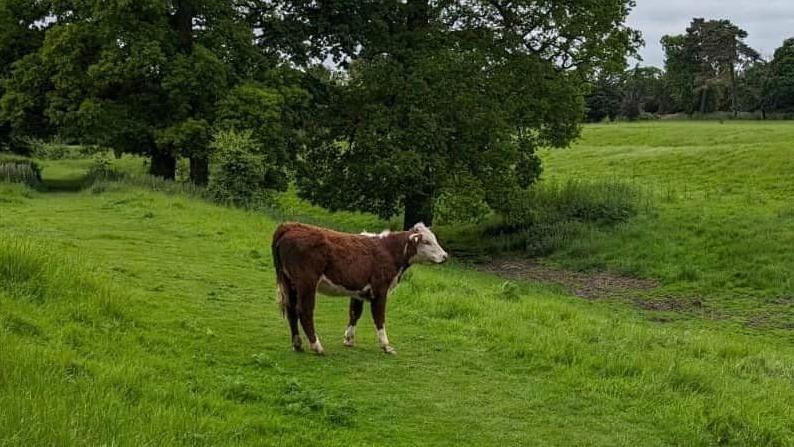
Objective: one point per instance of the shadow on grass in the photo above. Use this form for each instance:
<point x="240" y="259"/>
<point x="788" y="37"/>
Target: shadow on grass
<point x="65" y="184"/>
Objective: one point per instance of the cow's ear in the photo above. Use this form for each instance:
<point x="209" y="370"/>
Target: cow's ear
<point x="415" y="238"/>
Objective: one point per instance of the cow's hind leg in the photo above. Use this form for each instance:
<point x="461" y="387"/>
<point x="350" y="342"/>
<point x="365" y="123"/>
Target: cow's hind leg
<point x="306" y="296"/>
<point x="379" y="317"/>
<point x="292" y="317"/>
<point x="356" y="309"/>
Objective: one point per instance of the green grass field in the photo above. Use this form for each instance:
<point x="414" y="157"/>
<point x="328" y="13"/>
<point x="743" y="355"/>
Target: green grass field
<point x="135" y="317"/>
<point x="722" y="224"/>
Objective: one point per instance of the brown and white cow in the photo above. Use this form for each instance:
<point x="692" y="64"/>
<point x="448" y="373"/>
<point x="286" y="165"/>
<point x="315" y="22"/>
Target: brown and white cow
<point x="365" y="267"/>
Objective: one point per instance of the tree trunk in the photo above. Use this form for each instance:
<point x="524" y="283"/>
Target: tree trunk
<point x="163" y="165"/>
<point x="703" y="96"/>
<point x="733" y="93"/>
<point x="418" y="208"/>
<point x="184" y="25"/>
<point x="418" y="204"/>
<point x="418" y="14"/>
<point x="199" y="170"/>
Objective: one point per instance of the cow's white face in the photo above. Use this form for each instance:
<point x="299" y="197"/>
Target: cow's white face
<point x="428" y="250"/>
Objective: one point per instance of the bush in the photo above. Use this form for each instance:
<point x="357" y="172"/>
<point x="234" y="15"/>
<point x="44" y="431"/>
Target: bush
<point x="49" y="151"/>
<point x="102" y="169"/>
<point x="38" y="148"/>
<point x="238" y="174"/>
<point x="266" y="113"/>
<point x="16" y="169"/>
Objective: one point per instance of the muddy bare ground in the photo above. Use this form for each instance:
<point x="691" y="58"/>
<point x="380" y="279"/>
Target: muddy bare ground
<point x="599" y="285"/>
<point x="594" y="285"/>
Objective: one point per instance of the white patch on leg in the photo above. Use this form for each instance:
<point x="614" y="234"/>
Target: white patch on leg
<point x="350" y="336"/>
<point x="317" y="347"/>
<point x="383" y="340"/>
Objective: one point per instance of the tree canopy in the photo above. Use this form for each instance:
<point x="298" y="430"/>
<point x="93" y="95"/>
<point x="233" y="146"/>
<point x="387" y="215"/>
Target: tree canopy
<point x="705" y="60"/>
<point x="779" y="81"/>
<point x="439" y="90"/>
<point x="708" y="69"/>
<point x="367" y="105"/>
<point x="143" y="77"/>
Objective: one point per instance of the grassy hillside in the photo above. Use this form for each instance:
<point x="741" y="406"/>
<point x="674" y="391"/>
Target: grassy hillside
<point x="131" y="317"/>
<point x="722" y="224"/>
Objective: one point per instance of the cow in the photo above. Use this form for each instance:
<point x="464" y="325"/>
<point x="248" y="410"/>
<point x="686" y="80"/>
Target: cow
<point x="364" y="267"/>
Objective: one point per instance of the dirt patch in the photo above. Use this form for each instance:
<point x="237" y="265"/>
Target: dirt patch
<point x="774" y="317"/>
<point x="669" y="304"/>
<point x="586" y="285"/>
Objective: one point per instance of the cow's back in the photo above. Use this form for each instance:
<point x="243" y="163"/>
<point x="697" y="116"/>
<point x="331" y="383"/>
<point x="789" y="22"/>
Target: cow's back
<point x="307" y="252"/>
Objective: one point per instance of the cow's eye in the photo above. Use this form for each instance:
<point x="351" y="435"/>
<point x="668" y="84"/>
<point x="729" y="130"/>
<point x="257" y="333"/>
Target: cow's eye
<point x="426" y="242"/>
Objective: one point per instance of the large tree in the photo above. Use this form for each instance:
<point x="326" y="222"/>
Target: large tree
<point x="706" y="59"/>
<point x="144" y="77"/>
<point x="605" y="98"/>
<point x="437" y="89"/>
<point x="681" y="71"/>
<point x="22" y="27"/>
<point x="779" y="81"/>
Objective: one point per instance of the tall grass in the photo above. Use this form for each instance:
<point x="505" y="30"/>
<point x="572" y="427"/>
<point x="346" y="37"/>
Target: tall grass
<point x="605" y="202"/>
<point x="29" y="272"/>
<point x="15" y="169"/>
<point x="551" y="215"/>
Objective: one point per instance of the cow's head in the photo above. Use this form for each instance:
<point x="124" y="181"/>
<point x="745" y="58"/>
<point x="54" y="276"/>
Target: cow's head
<point x="428" y="250"/>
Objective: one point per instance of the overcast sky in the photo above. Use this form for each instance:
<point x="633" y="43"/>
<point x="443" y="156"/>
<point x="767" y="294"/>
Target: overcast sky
<point x="768" y="22"/>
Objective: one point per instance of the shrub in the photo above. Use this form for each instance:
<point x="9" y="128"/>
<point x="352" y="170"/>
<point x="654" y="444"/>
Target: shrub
<point x="49" y="151"/>
<point x="102" y="169"/>
<point x="272" y="116"/>
<point x="238" y="175"/>
<point x="16" y="169"/>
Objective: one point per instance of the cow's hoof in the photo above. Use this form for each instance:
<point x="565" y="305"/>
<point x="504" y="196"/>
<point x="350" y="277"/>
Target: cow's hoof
<point x="297" y="345"/>
<point x="350" y="336"/>
<point x="318" y="348"/>
<point x="389" y="350"/>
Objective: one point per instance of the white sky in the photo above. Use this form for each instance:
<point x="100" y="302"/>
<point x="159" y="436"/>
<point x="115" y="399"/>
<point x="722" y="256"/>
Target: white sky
<point x="768" y="22"/>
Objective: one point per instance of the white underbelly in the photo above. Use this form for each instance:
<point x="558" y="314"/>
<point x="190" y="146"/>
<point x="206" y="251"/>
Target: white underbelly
<point x="326" y="287"/>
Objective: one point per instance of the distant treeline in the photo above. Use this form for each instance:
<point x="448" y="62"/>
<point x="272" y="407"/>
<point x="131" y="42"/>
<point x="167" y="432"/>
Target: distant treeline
<point x="708" y="69"/>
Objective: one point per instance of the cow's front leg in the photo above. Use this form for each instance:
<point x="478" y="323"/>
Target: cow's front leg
<point x="379" y="316"/>
<point x="356" y="309"/>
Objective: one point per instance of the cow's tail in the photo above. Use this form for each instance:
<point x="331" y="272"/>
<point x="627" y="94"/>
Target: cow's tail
<point x="282" y="282"/>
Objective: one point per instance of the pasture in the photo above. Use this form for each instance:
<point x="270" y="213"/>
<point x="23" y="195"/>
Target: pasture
<point x="130" y="316"/>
